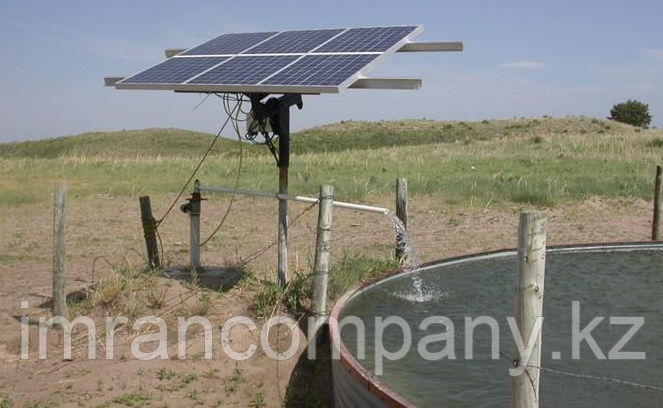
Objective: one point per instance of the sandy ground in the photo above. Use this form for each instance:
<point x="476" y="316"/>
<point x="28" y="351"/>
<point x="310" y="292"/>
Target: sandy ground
<point x="104" y="231"/>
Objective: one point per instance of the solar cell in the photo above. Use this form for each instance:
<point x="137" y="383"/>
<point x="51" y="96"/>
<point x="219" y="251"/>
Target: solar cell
<point x="372" y="39"/>
<point x="244" y="70"/>
<point x="294" y="42"/>
<point x="323" y="70"/>
<point x="174" y="70"/>
<point x="229" y="44"/>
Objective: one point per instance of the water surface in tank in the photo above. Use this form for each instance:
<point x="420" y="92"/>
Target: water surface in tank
<point x="613" y="283"/>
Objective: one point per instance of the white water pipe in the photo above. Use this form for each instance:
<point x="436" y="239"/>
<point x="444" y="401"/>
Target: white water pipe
<point x="339" y="204"/>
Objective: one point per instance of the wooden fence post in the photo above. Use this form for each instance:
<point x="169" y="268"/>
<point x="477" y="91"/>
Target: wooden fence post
<point x="656" y="224"/>
<point x="529" y="305"/>
<point x="149" y="230"/>
<point x="322" y="248"/>
<point x="401" y="211"/>
<point x="194" y="230"/>
<point x="59" y="250"/>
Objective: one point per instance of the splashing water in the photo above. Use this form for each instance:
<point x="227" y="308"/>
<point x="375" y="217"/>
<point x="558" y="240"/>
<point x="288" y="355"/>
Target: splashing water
<point x="410" y="261"/>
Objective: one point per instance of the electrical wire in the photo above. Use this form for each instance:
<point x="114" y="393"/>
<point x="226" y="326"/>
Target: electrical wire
<point x="201" y="102"/>
<point x="236" y="111"/>
<point x="252" y="257"/>
<point x="195" y="171"/>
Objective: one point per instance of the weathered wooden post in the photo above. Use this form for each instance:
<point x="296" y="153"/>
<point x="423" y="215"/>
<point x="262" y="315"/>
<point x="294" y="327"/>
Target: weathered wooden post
<point x="194" y="230"/>
<point x="529" y="305"/>
<point x="59" y="250"/>
<point x="149" y="231"/>
<point x="401" y="212"/>
<point x="322" y="248"/>
<point x="656" y="224"/>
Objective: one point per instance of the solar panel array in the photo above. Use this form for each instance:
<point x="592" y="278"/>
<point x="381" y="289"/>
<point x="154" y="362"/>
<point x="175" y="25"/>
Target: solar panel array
<point x="306" y="60"/>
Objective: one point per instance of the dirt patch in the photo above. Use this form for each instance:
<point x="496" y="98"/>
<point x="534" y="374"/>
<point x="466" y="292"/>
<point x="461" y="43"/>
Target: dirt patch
<point x="103" y="233"/>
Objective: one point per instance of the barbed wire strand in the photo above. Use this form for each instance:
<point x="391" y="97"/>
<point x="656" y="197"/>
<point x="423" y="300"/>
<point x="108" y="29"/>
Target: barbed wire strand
<point x="252" y="257"/>
<point x="587" y="376"/>
<point x="597" y="378"/>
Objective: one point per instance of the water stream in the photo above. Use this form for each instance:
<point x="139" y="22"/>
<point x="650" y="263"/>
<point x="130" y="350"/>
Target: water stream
<point x="410" y="261"/>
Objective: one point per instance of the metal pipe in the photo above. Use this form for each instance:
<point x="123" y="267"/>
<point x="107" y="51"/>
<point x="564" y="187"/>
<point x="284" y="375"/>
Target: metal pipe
<point x="301" y="199"/>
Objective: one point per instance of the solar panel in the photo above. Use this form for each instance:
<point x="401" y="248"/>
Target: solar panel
<point x="244" y="70"/>
<point x="174" y="70"/>
<point x="294" y="41"/>
<point x="229" y="44"/>
<point x="306" y="61"/>
<point x="373" y="39"/>
<point x="321" y="70"/>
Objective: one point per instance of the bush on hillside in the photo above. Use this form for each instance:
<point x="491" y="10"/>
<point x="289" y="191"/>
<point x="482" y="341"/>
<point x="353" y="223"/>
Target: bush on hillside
<point x="631" y="112"/>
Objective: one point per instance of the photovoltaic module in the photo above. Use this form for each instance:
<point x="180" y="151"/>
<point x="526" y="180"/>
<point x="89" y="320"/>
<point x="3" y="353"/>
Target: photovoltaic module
<point x="305" y="61"/>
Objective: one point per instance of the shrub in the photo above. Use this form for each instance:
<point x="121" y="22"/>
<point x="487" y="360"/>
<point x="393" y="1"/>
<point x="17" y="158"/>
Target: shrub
<point x="298" y="293"/>
<point x="657" y="143"/>
<point x="266" y="299"/>
<point x="631" y="112"/>
<point x="295" y="297"/>
<point x="134" y="400"/>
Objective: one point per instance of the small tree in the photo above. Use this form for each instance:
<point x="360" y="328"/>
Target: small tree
<point x="631" y="112"/>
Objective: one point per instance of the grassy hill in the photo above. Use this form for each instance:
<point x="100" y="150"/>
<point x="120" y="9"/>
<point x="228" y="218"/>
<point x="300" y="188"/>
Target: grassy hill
<point x="346" y="135"/>
<point x="352" y="135"/>
<point x="125" y="143"/>
<point x="539" y="161"/>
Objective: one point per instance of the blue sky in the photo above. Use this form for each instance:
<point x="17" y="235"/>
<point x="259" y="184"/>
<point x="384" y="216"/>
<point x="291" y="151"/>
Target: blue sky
<point x="521" y="58"/>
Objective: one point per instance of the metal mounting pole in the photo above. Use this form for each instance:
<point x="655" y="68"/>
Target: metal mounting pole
<point x="277" y="111"/>
<point x="284" y="163"/>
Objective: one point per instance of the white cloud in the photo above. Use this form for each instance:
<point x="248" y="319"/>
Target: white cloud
<point x="656" y="54"/>
<point x="532" y="65"/>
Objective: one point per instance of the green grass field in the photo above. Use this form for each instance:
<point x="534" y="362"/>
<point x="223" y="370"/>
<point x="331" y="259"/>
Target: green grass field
<point x="539" y="161"/>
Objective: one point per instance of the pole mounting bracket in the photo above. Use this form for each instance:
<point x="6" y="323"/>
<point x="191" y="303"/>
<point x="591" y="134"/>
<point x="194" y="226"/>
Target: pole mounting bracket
<point x="277" y="112"/>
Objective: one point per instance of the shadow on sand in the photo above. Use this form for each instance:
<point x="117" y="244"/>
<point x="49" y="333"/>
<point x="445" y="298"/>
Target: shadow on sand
<point x="216" y="278"/>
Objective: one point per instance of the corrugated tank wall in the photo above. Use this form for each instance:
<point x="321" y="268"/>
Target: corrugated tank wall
<point x="354" y="386"/>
